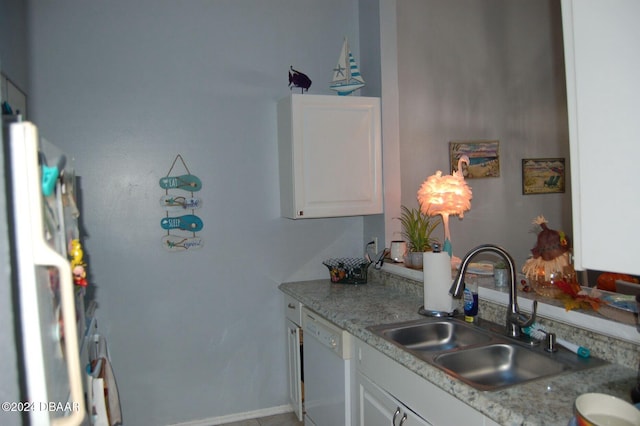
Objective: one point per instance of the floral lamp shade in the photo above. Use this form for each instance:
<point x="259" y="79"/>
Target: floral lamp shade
<point x="446" y="195"/>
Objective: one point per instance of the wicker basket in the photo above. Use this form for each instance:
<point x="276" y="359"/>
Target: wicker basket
<point x="346" y="270"/>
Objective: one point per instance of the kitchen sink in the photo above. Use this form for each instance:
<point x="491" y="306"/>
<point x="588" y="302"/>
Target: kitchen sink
<point x="499" y="365"/>
<point x="438" y="335"/>
<point x="480" y="355"/>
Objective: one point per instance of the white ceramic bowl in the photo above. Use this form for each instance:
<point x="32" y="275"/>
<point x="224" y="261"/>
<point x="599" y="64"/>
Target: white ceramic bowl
<point x="599" y="409"/>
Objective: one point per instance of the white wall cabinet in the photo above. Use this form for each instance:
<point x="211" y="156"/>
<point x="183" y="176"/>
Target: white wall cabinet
<point x="413" y="394"/>
<point x="330" y="156"/>
<point x="602" y="60"/>
<point x="293" y="321"/>
<point x="377" y="408"/>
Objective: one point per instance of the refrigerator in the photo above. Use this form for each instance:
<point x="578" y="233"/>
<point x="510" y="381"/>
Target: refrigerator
<point x="61" y="358"/>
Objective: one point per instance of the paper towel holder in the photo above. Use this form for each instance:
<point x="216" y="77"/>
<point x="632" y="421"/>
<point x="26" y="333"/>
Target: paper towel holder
<point x="437" y="314"/>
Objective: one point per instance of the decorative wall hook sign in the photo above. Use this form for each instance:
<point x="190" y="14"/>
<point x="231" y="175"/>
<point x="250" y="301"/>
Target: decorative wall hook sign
<point x="178" y="203"/>
<point x="178" y="243"/>
<point x="181" y="230"/>
<point x="187" y="182"/>
<point x="187" y="222"/>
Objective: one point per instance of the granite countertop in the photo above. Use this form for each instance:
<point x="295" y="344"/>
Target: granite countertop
<point x="547" y="401"/>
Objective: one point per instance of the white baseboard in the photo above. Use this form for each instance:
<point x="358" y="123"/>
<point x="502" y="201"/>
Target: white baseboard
<point x="238" y="416"/>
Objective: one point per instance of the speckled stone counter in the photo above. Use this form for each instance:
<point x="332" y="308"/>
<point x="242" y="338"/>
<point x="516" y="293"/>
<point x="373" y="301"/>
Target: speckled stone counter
<point x="387" y="300"/>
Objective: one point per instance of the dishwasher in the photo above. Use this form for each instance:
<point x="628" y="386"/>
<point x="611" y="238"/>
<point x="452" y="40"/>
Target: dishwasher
<point x="328" y="372"/>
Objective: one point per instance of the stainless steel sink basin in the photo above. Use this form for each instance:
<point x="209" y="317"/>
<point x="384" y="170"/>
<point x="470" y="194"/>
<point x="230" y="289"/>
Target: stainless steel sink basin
<point x="499" y="365"/>
<point x="479" y="355"/>
<point x="433" y="336"/>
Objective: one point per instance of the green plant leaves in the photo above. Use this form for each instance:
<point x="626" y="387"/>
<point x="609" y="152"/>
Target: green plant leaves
<point x="417" y="228"/>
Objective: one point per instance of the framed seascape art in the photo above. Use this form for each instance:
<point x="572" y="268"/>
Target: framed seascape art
<point x="484" y="158"/>
<point x="543" y="175"/>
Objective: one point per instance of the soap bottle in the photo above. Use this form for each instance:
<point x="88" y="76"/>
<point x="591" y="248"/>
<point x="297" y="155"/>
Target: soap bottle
<point x="470" y="298"/>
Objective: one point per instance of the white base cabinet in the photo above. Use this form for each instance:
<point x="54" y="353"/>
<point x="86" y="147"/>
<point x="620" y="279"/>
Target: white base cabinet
<point x="330" y="156"/>
<point x="422" y="402"/>
<point x="378" y="408"/>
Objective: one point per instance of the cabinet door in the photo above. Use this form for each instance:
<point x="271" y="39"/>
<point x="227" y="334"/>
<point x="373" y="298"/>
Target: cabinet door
<point x="330" y="156"/>
<point x="602" y="61"/>
<point x="378" y="408"/>
<point x="295" y="367"/>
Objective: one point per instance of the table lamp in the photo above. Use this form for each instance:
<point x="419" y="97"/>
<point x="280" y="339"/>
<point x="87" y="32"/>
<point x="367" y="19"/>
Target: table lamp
<point x="446" y="195"/>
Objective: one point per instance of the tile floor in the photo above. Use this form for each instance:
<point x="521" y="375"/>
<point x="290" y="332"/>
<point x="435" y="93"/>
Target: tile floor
<point x="287" y="419"/>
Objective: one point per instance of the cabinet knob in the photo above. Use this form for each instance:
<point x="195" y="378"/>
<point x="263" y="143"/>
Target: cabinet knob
<point x="291" y="306"/>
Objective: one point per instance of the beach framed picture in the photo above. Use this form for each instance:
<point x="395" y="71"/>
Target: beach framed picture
<point x="543" y="175"/>
<point x="484" y="158"/>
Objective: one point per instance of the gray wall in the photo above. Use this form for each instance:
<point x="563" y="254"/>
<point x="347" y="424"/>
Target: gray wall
<point x="13" y="45"/>
<point x="125" y="87"/>
<point x="484" y="69"/>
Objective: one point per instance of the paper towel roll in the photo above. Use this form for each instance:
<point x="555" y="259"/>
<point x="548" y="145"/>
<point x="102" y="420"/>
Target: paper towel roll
<point x="437" y="282"/>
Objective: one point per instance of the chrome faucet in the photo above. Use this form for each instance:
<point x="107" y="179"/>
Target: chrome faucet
<point x="515" y="319"/>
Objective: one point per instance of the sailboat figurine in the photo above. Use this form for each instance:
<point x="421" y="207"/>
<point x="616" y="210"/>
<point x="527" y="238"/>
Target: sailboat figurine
<point x="346" y="75"/>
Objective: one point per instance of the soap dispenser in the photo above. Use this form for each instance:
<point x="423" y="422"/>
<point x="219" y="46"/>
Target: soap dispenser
<point x="470" y="297"/>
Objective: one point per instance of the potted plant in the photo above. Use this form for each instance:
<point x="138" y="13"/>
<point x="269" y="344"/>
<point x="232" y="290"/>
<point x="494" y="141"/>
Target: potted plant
<point x="417" y="228"/>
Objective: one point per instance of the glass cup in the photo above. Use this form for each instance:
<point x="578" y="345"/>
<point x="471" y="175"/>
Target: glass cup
<point x="397" y="250"/>
<point x="500" y="278"/>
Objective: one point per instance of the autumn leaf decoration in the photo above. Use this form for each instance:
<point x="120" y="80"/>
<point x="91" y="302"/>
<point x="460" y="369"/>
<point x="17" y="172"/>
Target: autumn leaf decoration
<point x="574" y="297"/>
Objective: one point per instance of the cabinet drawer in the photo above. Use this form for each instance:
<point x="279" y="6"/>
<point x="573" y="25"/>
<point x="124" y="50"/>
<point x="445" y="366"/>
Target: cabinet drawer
<point x="293" y="309"/>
